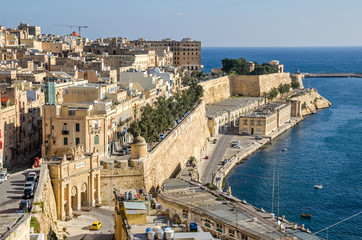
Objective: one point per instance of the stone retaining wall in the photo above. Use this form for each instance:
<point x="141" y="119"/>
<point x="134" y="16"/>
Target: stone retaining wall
<point x="188" y="139"/>
<point x="44" y="205"/>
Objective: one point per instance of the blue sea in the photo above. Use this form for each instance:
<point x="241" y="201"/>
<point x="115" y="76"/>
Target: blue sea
<point x="325" y="148"/>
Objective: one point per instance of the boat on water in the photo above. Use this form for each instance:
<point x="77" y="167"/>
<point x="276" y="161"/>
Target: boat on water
<point x="305" y="215"/>
<point x="318" y="186"/>
<point x="284" y="149"/>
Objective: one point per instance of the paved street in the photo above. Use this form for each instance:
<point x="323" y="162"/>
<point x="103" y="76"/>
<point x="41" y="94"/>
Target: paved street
<point x="79" y="227"/>
<point x="217" y="155"/>
<point x="223" y="150"/>
<point x="11" y="191"/>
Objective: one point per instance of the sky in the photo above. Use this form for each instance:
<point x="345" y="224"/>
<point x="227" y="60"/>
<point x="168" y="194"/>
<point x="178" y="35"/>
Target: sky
<point x="224" y="23"/>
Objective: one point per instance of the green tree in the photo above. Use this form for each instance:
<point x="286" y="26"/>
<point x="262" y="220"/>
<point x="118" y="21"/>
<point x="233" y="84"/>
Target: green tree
<point x="273" y="93"/>
<point x="295" y="85"/>
<point x="228" y="65"/>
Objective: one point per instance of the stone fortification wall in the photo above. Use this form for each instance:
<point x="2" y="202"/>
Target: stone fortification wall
<point x="216" y="89"/>
<point x="44" y="205"/>
<point x="188" y="139"/>
<point x="245" y="85"/>
<point x="313" y="101"/>
<point x="257" y="85"/>
<point x="122" y="176"/>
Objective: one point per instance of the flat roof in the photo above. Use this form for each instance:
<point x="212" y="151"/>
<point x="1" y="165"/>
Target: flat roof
<point x="265" y="111"/>
<point x="135" y="205"/>
<point x="229" y="105"/>
<point x="233" y="212"/>
<point x="175" y="183"/>
<point x="194" y="236"/>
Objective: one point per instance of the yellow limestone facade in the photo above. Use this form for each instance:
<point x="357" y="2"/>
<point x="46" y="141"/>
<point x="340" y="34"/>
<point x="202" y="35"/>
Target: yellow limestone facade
<point x="76" y="182"/>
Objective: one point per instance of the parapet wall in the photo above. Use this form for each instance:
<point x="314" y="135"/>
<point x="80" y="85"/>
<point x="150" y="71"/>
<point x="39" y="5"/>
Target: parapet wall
<point x="123" y="176"/>
<point x="44" y="205"/>
<point x="222" y="88"/>
<point x="257" y="85"/>
<point x="188" y="139"/>
<point x="216" y="89"/>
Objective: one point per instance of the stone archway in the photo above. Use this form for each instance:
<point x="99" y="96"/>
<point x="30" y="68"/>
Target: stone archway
<point x="74" y="194"/>
<point x="84" y="195"/>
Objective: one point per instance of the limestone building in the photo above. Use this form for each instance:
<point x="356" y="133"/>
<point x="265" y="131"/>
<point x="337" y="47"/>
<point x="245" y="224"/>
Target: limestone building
<point x="92" y="116"/>
<point x="76" y="181"/>
<point x="186" y="53"/>
<point x="265" y="120"/>
<point x="20" y="123"/>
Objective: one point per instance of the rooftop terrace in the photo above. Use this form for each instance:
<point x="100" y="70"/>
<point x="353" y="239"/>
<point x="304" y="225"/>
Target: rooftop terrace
<point x="230" y="104"/>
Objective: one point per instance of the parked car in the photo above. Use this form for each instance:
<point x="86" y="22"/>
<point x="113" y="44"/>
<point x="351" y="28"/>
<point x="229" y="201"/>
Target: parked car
<point x="258" y="138"/>
<point x="162" y="136"/>
<point x="225" y="161"/>
<point x="236" y="142"/>
<point x="31" y="179"/>
<point x="123" y="152"/>
<point x="28" y="192"/>
<point x="178" y="121"/>
<point x="32" y="174"/>
<point x="234" y="145"/>
<point x="206" y="157"/>
<point x="25" y="205"/>
<point x="96" y="225"/>
<point x="214" y="141"/>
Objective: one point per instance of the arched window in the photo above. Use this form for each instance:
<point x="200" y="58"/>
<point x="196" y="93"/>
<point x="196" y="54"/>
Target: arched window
<point x="96" y="139"/>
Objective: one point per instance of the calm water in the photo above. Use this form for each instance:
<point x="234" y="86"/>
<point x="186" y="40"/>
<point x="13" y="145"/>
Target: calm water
<point x="325" y="148"/>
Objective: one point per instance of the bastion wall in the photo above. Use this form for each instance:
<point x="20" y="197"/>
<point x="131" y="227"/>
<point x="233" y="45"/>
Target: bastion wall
<point x="257" y="85"/>
<point x="216" y="89"/>
<point x="188" y="139"/>
<point x="222" y="88"/>
<point x="311" y="101"/>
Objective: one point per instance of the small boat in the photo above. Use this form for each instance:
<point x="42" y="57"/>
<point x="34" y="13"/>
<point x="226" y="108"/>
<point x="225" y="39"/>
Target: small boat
<point x="305" y="215"/>
<point x="284" y="149"/>
<point x="319" y="186"/>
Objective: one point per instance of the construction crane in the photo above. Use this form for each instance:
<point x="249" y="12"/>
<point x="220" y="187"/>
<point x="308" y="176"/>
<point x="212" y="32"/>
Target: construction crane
<point x="72" y="26"/>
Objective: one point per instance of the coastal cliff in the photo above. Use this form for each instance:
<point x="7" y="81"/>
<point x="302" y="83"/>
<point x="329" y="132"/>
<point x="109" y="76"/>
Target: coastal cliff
<point x="311" y="101"/>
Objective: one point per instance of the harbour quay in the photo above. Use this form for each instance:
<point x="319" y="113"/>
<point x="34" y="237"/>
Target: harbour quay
<point x="225" y="216"/>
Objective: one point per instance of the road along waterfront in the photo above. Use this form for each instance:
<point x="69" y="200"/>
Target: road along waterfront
<point x="324" y="149"/>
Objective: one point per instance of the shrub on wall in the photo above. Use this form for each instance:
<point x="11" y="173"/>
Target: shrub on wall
<point x="35" y="224"/>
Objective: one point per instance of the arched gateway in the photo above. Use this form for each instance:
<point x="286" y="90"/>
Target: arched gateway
<point x="76" y="182"/>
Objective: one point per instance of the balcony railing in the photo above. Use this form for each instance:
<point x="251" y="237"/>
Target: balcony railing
<point x="65" y="132"/>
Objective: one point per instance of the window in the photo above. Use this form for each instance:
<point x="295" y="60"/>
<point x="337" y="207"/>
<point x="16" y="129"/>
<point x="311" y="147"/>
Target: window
<point x="245" y="129"/>
<point x="245" y="122"/>
<point x="65" y="141"/>
<point x="96" y="139"/>
<point x="77" y="127"/>
<point x="77" y="141"/>
<point x="258" y="129"/>
<point x="252" y="122"/>
<point x="259" y="122"/>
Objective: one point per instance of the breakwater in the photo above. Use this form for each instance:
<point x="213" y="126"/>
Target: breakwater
<point x="331" y="75"/>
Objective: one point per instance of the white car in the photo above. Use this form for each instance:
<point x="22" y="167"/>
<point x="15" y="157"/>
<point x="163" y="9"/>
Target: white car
<point x="3" y="177"/>
<point x="32" y="174"/>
